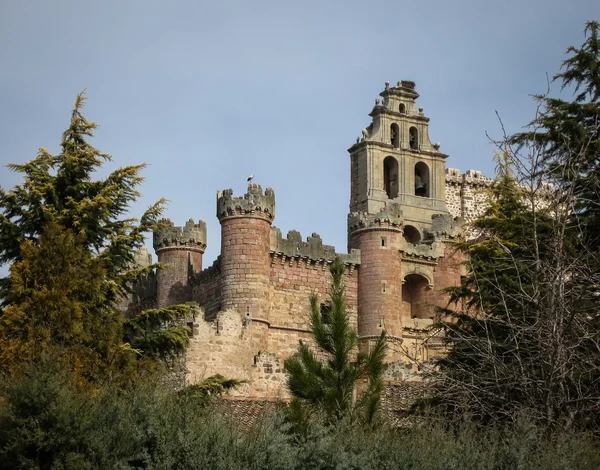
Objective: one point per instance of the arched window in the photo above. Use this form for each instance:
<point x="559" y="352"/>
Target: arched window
<point x="390" y="177"/>
<point x="402" y="108"/>
<point x="414" y="296"/>
<point x="421" y="179"/>
<point x="412" y="234"/>
<point x="413" y="134"/>
<point x="395" y="135"/>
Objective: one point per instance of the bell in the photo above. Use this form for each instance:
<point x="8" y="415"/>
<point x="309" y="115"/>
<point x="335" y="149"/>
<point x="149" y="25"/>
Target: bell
<point x="420" y="187"/>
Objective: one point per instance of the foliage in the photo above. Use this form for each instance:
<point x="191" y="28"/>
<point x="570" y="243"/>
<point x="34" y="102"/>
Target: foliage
<point x="213" y="386"/>
<point x="567" y="134"/>
<point x="329" y="385"/>
<point x="73" y="258"/>
<point x="160" y="333"/>
<point x="47" y="422"/>
<point x="524" y="327"/>
<point x="60" y="188"/>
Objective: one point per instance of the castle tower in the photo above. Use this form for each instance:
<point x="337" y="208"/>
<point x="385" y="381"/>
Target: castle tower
<point x="397" y="186"/>
<point x="245" y="244"/>
<point x="180" y="249"/>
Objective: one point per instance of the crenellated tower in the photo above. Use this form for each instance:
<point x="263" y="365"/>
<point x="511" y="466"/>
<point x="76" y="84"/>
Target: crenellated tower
<point x="245" y="249"/>
<point x="180" y="249"/>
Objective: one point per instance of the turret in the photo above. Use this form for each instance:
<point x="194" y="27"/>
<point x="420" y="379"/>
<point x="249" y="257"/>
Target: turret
<point x="180" y="249"/>
<point x="245" y="244"/>
<point x="379" y="239"/>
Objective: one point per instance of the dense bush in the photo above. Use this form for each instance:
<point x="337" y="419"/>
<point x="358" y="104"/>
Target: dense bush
<point x="47" y="422"/>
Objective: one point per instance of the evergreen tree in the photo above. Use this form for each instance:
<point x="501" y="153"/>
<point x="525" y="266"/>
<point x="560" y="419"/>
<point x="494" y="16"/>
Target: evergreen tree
<point x="524" y="326"/>
<point x="567" y="134"/>
<point x="72" y="258"/>
<point x="330" y="385"/>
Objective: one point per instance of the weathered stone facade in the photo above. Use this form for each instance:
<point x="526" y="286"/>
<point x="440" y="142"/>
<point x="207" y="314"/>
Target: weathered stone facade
<point x="406" y="213"/>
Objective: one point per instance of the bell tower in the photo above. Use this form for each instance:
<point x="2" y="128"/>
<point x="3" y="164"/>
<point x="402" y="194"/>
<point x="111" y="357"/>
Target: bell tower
<point x="395" y="162"/>
<point x="399" y="221"/>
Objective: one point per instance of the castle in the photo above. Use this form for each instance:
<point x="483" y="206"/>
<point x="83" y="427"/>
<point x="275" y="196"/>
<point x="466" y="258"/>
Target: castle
<point x="407" y="210"/>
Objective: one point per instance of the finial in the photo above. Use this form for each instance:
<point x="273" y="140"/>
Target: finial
<point x="376" y="101"/>
<point x="399" y="83"/>
<point x="436" y="145"/>
<point x="357" y="140"/>
<point x="387" y="85"/>
<point x="420" y="109"/>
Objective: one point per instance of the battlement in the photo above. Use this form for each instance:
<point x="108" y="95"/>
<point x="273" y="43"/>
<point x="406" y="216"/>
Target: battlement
<point x="388" y="218"/>
<point x="254" y="203"/>
<point x="142" y="258"/>
<point x="191" y="236"/>
<point x="471" y="177"/>
<point x="312" y="249"/>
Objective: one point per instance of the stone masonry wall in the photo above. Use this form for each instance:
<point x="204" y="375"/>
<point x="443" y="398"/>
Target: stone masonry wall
<point x="206" y="290"/>
<point x="465" y="195"/>
<point x="292" y="284"/>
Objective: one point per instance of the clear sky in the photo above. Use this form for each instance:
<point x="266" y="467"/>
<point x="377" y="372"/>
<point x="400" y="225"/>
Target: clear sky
<point x="208" y="92"/>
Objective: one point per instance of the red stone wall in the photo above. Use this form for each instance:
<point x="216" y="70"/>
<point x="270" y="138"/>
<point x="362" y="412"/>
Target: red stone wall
<point x="291" y="285"/>
<point x="245" y="264"/>
<point x="379" y="281"/>
<point x="447" y="274"/>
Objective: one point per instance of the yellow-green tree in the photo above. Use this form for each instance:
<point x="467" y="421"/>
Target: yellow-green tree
<point x="72" y="252"/>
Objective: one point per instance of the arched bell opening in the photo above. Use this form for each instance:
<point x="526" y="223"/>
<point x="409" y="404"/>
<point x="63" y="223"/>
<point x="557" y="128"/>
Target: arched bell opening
<point x="413" y="136"/>
<point x="414" y="296"/>
<point x="402" y="108"/>
<point x="421" y="179"/>
<point x="390" y="177"/>
<point x="395" y="135"/>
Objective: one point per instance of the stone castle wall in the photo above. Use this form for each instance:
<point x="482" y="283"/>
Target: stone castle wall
<point x="249" y="339"/>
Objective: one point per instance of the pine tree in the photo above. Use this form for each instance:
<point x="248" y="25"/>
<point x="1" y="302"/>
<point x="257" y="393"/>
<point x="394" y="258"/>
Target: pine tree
<point x="329" y="385"/>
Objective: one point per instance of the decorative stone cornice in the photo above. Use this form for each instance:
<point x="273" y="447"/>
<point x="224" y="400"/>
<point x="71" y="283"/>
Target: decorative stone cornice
<point x="190" y="237"/>
<point x="254" y="204"/>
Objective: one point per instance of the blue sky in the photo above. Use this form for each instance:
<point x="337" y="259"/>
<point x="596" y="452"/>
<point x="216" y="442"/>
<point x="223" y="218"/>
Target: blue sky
<point x="209" y="92"/>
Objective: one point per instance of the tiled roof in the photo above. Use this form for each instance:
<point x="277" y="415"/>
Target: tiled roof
<point x="396" y="402"/>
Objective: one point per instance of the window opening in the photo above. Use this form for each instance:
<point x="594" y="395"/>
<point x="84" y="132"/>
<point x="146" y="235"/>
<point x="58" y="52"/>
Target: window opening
<point x="402" y="108"/>
<point x="412" y="234"/>
<point x="414" y="296"/>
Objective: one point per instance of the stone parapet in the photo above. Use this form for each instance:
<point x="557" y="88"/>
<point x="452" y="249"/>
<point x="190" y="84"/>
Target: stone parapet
<point x="254" y="203"/>
<point x="446" y="226"/>
<point x="312" y="249"/>
<point x="388" y="218"/>
<point x="191" y="237"/>
<point x="470" y="177"/>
